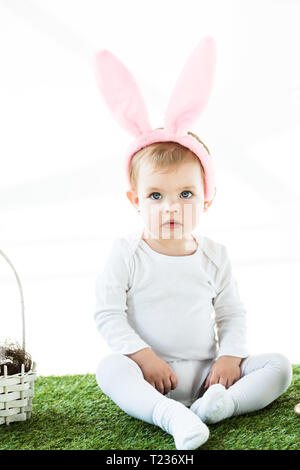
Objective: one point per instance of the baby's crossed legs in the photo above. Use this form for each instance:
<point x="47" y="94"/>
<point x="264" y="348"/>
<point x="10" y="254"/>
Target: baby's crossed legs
<point x="264" y="378"/>
<point x="122" y="380"/>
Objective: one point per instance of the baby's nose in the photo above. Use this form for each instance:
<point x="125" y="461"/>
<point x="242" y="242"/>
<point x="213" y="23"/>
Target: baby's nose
<point x="171" y="205"/>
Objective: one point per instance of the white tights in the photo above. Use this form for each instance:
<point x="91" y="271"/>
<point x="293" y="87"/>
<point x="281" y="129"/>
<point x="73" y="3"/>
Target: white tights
<point x="264" y="377"/>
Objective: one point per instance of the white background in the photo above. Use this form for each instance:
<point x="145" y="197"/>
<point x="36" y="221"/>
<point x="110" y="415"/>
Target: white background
<point x="62" y="184"/>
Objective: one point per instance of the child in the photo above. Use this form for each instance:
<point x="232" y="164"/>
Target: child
<point x="167" y="302"/>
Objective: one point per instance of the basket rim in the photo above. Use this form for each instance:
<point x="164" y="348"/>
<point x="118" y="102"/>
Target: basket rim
<point x="31" y="371"/>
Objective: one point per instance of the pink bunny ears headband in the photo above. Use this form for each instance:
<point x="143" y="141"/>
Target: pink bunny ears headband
<point x="188" y="99"/>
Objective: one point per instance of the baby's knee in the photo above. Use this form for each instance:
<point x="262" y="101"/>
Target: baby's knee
<point x="284" y="367"/>
<point x="107" y="368"/>
<point x="112" y="367"/>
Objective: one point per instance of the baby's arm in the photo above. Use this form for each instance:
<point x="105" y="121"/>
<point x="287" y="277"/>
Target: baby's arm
<point x="230" y="314"/>
<point x="111" y="303"/>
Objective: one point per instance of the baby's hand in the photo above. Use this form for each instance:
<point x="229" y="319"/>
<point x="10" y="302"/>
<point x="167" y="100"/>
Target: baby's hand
<point x="226" y="371"/>
<point x="156" y="371"/>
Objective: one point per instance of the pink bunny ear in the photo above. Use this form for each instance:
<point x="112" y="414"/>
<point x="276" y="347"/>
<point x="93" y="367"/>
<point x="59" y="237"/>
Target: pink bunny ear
<point x="121" y="93"/>
<point x="193" y="87"/>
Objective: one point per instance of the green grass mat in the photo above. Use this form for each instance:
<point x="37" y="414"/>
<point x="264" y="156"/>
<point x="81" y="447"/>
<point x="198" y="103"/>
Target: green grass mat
<point x="71" y="412"/>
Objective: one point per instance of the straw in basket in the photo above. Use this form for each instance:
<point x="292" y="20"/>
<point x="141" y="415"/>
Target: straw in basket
<point x="16" y="390"/>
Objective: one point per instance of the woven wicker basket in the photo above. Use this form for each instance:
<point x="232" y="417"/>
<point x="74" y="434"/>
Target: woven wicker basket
<point x="16" y="390"/>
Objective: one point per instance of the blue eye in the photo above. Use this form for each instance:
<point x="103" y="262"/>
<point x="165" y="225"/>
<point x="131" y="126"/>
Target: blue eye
<point x="186" y="192"/>
<point x="156" y="199"/>
<point x="152" y="194"/>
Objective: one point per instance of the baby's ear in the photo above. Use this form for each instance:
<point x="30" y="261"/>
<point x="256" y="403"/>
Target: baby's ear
<point x="193" y="87"/>
<point x="133" y="198"/>
<point x="121" y="93"/>
<point x="207" y="204"/>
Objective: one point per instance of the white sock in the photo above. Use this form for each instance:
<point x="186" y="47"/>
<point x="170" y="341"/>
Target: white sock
<point x="215" y="405"/>
<point x="188" y="430"/>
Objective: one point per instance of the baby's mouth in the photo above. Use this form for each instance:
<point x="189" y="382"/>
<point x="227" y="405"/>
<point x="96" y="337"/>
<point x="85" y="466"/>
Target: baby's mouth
<point x="172" y="224"/>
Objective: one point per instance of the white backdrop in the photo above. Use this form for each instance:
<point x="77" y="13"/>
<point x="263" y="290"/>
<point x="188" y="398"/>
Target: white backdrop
<point x="62" y="202"/>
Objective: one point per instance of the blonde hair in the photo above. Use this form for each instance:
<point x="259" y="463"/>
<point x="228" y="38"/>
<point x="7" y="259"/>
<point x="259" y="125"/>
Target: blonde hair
<point x="162" y="155"/>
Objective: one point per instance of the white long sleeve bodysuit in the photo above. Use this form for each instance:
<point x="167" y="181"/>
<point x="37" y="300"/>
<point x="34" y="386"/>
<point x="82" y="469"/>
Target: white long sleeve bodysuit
<point x="188" y="310"/>
<point x="183" y="307"/>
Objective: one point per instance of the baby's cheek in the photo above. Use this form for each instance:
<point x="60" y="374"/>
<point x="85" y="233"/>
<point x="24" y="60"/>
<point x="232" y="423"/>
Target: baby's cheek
<point x="152" y="217"/>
